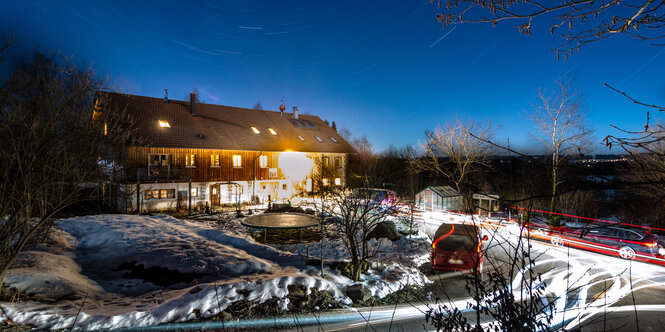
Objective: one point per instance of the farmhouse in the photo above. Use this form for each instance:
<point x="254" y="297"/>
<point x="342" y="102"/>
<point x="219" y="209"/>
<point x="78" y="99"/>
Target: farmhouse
<point x="196" y="154"/>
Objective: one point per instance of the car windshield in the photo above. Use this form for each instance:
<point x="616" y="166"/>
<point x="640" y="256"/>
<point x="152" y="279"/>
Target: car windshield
<point x="457" y="242"/>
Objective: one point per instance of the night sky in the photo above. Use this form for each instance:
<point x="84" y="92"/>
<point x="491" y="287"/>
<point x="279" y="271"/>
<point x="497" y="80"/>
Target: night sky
<point x="383" y="69"/>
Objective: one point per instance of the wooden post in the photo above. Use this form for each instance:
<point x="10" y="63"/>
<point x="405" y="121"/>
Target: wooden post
<point x="138" y="193"/>
<point x="189" y="195"/>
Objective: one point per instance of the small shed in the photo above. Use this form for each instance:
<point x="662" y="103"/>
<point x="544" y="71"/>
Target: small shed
<point x="439" y="198"/>
<point x="486" y="203"/>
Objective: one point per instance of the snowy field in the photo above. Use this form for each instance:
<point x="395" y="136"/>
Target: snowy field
<point x="130" y="271"/>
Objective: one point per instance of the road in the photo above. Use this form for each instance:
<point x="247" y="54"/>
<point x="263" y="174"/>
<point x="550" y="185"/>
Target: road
<point x="590" y="291"/>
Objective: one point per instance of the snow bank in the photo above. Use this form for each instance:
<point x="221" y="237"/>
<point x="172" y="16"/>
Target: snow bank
<point x="79" y="268"/>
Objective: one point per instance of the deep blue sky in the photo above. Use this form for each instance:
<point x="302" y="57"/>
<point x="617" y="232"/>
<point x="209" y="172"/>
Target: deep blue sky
<point x="379" y="68"/>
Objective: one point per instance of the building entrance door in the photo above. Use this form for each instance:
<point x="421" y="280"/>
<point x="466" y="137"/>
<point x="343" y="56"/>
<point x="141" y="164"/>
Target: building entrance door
<point x="214" y="195"/>
<point x="270" y="188"/>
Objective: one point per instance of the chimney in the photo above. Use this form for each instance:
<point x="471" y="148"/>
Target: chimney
<point x="282" y="108"/>
<point x="166" y="95"/>
<point x="295" y="112"/>
<point x="192" y="103"/>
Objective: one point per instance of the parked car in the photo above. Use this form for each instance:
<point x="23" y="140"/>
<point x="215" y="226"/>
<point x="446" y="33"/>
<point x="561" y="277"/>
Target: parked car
<point x="626" y="242"/>
<point x="457" y="247"/>
<point x="384" y="197"/>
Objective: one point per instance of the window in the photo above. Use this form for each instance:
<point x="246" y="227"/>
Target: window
<point x="284" y="186"/>
<point x="272" y="173"/>
<point x="164" y="124"/>
<point x="194" y="192"/>
<point x="338" y="181"/>
<point x="338" y="162"/>
<point x="256" y="131"/>
<point x="159" y="160"/>
<point x="263" y="161"/>
<point x="326" y="161"/>
<point x="302" y="123"/>
<point x="333" y="139"/>
<point x="325" y="182"/>
<point x="301" y="138"/>
<point x="190" y="160"/>
<point x="318" y="139"/>
<point x="167" y="193"/>
<point x="159" y="194"/>
<point x="237" y="160"/>
<point x="214" y="160"/>
<point x="272" y="131"/>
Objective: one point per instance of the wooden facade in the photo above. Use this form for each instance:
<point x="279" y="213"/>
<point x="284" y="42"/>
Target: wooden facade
<point x="141" y="163"/>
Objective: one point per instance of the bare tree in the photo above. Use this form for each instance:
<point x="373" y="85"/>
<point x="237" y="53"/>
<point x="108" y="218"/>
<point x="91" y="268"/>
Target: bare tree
<point x="585" y="21"/>
<point x="453" y="152"/>
<point x="52" y="149"/>
<point x="358" y="213"/>
<point x="560" y="118"/>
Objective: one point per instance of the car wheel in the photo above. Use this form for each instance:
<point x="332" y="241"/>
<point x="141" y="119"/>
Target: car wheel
<point x="627" y="253"/>
<point x="557" y="241"/>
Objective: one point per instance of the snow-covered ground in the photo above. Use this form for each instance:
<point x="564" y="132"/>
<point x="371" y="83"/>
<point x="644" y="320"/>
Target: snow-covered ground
<point x="99" y="265"/>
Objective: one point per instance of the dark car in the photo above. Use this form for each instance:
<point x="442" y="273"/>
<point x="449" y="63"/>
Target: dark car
<point x="457" y="247"/>
<point x="626" y="242"/>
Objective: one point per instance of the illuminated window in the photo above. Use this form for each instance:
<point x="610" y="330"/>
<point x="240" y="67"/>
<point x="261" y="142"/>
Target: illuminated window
<point x="272" y="173"/>
<point x="157" y="194"/>
<point x="338" y="162"/>
<point x="338" y="181"/>
<point x="326" y="161"/>
<point x="106" y="129"/>
<point x="159" y="160"/>
<point x="272" y="131"/>
<point x="190" y="160"/>
<point x="214" y="160"/>
<point x="237" y="160"/>
<point x="214" y="191"/>
<point x="301" y="138"/>
<point x="164" y="124"/>
<point x="325" y="182"/>
<point x="318" y="139"/>
<point x="333" y="139"/>
<point x="256" y="131"/>
<point x="263" y="161"/>
<point x="194" y="192"/>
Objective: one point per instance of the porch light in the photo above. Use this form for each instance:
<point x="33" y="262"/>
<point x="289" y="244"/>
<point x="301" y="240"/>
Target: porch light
<point x="164" y="124"/>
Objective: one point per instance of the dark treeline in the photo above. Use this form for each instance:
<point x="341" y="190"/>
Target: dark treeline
<point x="594" y="188"/>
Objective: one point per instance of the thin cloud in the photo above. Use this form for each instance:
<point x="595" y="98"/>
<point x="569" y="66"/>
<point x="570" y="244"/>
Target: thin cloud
<point x="444" y="36"/>
<point x="193" y="48"/>
<point x="276" y="33"/>
<point x="642" y="67"/>
<point x="229" y="52"/>
<point x="249" y="28"/>
<point x="421" y="7"/>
